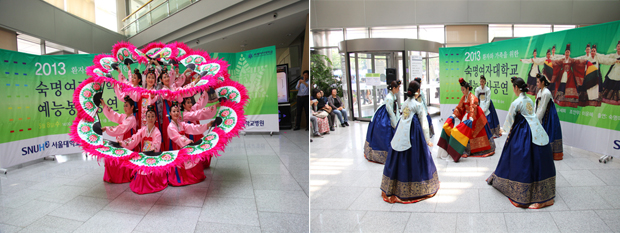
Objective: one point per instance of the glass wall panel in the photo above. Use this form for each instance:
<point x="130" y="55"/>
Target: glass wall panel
<point x="327" y="38"/>
<point x="557" y="28"/>
<point x="356" y="33"/>
<point x="522" y="30"/>
<point x="394" y="32"/>
<point x="499" y="30"/>
<point x="466" y="35"/>
<point x="433" y="33"/>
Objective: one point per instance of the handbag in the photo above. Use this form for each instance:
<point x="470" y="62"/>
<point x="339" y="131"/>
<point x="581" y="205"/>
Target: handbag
<point x="320" y="114"/>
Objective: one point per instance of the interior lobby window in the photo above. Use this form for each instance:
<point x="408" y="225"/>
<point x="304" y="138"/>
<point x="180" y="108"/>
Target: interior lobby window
<point x="28" y="44"/>
<point x="433" y="33"/>
<point x="105" y="14"/>
<point x="100" y="12"/>
<point x="356" y="33"/>
<point x="557" y="28"/>
<point x="53" y="47"/>
<point x="326" y="38"/>
<point x="522" y="30"/>
<point x="499" y="30"/>
<point x="394" y="32"/>
<point x="466" y="35"/>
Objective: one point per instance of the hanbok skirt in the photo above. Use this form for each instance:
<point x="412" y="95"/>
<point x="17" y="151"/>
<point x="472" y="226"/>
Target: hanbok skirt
<point x="551" y="123"/>
<point x="492" y="126"/>
<point x="379" y="137"/>
<point x="525" y="172"/>
<point x="183" y="175"/>
<point x="148" y="183"/>
<point x="115" y="173"/>
<point x="531" y="81"/>
<point x="611" y="89"/>
<point x="410" y="176"/>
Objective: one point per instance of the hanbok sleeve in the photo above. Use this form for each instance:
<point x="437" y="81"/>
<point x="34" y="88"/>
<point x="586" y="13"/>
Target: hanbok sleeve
<point x="389" y="106"/>
<point x="194" y="128"/>
<point x="510" y="117"/>
<point x="156" y="135"/>
<point x="527" y="61"/>
<point x="424" y="122"/>
<point x="112" y="115"/>
<point x="134" y="140"/>
<point x="201" y="102"/>
<point x="127" y="124"/>
<point x="423" y="96"/>
<point x="539" y="61"/>
<point x="609" y="59"/>
<point x="487" y="101"/>
<point x="545" y="98"/>
<point x="176" y="137"/>
<point x="200" y="114"/>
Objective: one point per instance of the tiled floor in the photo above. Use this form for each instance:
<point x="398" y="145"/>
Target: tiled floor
<point x="345" y="194"/>
<point x="259" y="184"/>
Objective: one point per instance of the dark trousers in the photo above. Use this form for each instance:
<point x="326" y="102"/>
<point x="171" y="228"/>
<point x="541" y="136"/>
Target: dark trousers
<point x="302" y="103"/>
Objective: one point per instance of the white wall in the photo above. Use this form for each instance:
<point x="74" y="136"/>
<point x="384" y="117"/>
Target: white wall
<point x="42" y="20"/>
<point x="372" y="13"/>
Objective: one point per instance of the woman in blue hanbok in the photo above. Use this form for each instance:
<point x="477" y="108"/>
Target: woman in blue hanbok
<point x="483" y="93"/>
<point x="382" y="126"/>
<point x="409" y="174"/>
<point x="422" y="99"/>
<point x="525" y="172"/>
<point x="548" y="117"/>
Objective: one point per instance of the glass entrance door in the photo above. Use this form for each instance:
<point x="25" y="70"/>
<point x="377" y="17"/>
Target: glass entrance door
<point x="367" y="96"/>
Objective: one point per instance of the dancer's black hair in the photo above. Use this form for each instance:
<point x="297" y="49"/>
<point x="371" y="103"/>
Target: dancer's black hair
<point x="464" y="84"/>
<point x="139" y="75"/>
<point x="131" y="103"/>
<point x="394" y="84"/>
<point x="412" y="88"/>
<point x="542" y="79"/>
<point x="518" y="82"/>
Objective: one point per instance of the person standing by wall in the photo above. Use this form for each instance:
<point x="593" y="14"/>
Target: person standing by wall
<point x="302" y="98"/>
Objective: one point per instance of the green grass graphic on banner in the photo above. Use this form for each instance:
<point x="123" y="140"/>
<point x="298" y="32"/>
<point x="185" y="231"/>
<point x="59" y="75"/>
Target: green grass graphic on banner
<point x="498" y="61"/>
<point x="256" y="70"/>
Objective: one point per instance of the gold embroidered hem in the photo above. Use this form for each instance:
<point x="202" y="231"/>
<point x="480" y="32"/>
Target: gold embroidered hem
<point x="535" y="205"/>
<point x="484" y="153"/>
<point x="525" y="193"/>
<point x="495" y="132"/>
<point x="395" y="199"/>
<point x="376" y="156"/>
<point x="408" y="191"/>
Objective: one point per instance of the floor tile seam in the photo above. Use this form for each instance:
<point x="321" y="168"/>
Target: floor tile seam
<point x="65" y="218"/>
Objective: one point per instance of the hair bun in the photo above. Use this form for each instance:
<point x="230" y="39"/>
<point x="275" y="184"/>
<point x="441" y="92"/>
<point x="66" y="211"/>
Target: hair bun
<point x="461" y="80"/>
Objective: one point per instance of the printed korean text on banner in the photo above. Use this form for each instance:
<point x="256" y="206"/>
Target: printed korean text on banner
<point x="583" y="65"/>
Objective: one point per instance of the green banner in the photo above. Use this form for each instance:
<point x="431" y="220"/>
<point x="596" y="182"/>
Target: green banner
<point x="498" y="61"/>
<point x="38" y="90"/>
<point x="256" y="70"/>
<point x="38" y="93"/>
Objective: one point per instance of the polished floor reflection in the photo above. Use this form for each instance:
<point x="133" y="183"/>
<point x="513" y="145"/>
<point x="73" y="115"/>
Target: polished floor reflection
<point x="260" y="184"/>
<point x="345" y="194"/>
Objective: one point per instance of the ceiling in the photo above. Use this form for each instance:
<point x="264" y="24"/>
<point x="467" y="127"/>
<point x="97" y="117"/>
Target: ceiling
<point x="281" y="33"/>
<point x="231" y="26"/>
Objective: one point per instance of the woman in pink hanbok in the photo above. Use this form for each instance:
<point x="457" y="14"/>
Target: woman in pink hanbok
<point x="194" y="113"/>
<point x="149" y="140"/>
<point x="190" y="172"/>
<point x="114" y="173"/>
<point x="170" y="81"/>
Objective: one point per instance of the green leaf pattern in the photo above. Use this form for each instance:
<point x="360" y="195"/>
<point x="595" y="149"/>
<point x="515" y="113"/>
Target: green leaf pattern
<point x="208" y="142"/>
<point x="155" y="161"/>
